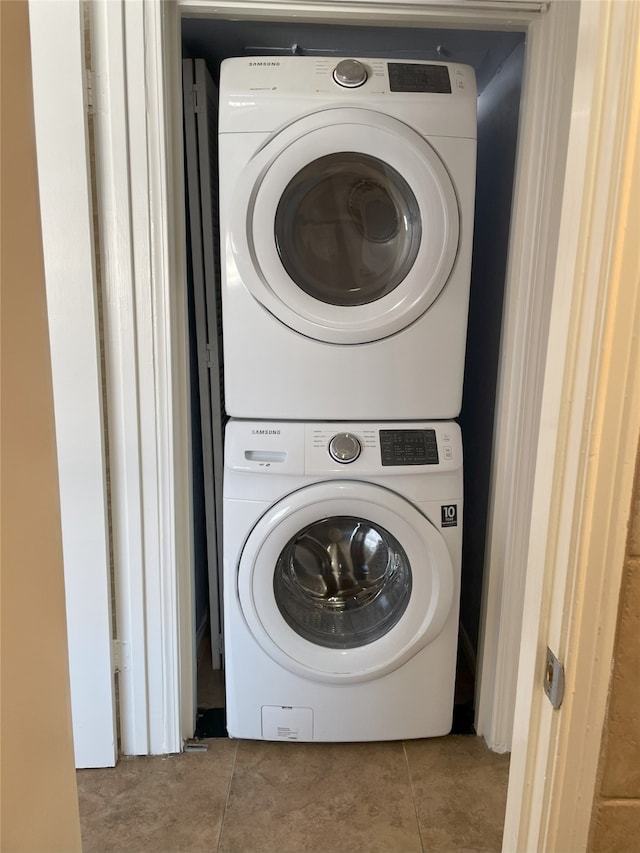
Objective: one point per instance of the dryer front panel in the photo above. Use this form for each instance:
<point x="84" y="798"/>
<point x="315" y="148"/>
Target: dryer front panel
<point x="346" y="226"/>
<point x="344" y="581"/>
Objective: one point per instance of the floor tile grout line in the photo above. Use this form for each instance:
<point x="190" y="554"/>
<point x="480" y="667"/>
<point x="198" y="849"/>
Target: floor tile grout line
<point x="226" y="801"/>
<point x="413" y="797"/>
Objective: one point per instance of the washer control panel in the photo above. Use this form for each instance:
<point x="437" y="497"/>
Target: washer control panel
<point x="345" y="449"/>
<point x="384" y="449"/>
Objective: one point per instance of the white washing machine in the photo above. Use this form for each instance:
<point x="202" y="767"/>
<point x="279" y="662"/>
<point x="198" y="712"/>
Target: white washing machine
<point x="342" y="547"/>
<point x="346" y="212"/>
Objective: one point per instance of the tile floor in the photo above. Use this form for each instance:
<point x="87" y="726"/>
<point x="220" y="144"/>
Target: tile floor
<point x="441" y="794"/>
<point x="438" y="795"/>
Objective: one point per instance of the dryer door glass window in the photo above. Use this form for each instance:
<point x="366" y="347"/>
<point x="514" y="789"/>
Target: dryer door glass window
<point x="342" y="582"/>
<point x="348" y="229"/>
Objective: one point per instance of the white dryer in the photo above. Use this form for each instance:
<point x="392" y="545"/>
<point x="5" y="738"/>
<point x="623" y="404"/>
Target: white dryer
<point x="342" y="548"/>
<point x="346" y="213"/>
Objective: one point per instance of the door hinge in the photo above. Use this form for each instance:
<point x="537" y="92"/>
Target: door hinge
<point x="90" y="90"/>
<point x="554" y="679"/>
<point x="211" y="355"/>
<point x="119" y="655"/>
<point x="195" y="98"/>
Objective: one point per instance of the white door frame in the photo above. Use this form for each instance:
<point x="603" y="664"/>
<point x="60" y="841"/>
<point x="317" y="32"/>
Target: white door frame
<point x="72" y="302"/>
<point x="587" y="446"/>
<point x="576" y="353"/>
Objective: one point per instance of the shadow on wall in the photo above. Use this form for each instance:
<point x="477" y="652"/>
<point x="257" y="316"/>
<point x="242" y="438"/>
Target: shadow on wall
<point x="498" y="112"/>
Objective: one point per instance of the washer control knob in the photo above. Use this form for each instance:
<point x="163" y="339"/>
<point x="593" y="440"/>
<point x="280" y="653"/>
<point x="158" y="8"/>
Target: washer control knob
<point x="345" y="447"/>
<point x="350" y="73"/>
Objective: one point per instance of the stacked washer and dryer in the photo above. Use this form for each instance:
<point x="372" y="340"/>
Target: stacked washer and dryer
<point x="346" y="216"/>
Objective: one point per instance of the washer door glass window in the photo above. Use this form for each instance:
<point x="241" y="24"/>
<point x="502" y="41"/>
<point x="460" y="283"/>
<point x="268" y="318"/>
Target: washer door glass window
<point x="342" y="582"/>
<point x="348" y="229"/>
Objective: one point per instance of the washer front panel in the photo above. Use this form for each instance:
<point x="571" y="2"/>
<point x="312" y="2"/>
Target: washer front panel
<point x="401" y="224"/>
<point x="421" y="551"/>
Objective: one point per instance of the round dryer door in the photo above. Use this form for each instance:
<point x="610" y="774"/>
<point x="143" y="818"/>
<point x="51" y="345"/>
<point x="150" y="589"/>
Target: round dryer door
<point x="344" y="582"/>
<point x="346" y="226"/>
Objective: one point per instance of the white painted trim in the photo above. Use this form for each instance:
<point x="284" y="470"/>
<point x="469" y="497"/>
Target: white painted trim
<point x="507" y="14"/>
<point x="590" y="431"/>
<point x="179" y="570"/>
<point x="112" y="168"/>
<point x="66" y="210"/>
<point x="146" y="351"/>
<point x="545" y="113"/>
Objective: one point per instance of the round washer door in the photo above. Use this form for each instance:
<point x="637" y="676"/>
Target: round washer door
<point x="346" y="226"/>
<point x="344" y="582"/>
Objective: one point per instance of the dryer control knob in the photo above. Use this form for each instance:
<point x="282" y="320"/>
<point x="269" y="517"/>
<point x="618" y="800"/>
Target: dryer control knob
<point x="350" y="73"/>
<point x="345" y="447"/>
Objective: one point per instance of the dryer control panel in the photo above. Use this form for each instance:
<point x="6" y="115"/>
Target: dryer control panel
<point x="306" y="82"/>
<point x="420" y="77"/>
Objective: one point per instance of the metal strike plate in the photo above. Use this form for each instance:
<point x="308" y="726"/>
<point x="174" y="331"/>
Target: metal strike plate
<point x="554" y="679"/>
<point x="194" y="745"/>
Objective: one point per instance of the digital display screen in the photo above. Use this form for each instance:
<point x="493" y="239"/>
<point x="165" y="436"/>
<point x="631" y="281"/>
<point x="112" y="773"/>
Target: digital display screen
<point x="411" y="77"/>
<point x="408" y="447"/>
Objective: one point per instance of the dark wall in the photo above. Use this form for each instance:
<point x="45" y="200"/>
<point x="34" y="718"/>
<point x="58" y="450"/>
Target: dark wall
<point x="498" y="112"/>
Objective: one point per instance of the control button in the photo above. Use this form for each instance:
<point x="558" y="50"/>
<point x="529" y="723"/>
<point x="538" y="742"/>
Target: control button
<point x="345" y="447"/>
<point x="350" y="73"/>
<point x="448" y="452"/>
